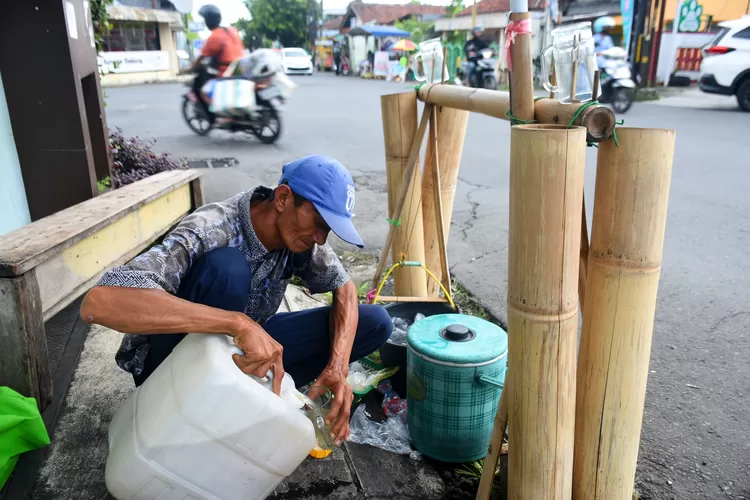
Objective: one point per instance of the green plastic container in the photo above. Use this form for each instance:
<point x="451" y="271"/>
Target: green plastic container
<point x="455" y="369"/>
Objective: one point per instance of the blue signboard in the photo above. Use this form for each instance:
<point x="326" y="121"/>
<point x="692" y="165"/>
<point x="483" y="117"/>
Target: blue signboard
<point x="198" y="46"/>
<point x="626" y="6"/>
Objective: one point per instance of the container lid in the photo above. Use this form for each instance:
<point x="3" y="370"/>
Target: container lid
<point x="459" y="339"/>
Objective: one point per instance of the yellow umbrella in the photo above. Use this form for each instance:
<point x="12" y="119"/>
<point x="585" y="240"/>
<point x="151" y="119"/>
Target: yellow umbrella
<point x="404" y="45"/>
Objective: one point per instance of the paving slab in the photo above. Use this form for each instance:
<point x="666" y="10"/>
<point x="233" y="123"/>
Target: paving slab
<point x="319" y="478"/>
<point x="383" y="475"/>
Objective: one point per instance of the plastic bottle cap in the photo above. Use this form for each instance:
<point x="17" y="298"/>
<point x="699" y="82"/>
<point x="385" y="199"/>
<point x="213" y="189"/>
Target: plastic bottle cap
<point x="320" y="452"/>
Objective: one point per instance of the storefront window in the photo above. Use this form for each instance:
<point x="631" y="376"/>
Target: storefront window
<point x="131" y="36"/>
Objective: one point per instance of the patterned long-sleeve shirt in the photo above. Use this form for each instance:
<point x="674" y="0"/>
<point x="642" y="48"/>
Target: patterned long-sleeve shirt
<point x="216" y="225"/>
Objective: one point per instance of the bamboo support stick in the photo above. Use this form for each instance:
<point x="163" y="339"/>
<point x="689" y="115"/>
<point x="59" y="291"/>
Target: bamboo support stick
<point x="574" y="77"/>
<point x="627" y="239"/>
<point x="451" y="131"/>
<point x="408" y="173"/>
<point x="522" y="74"/>
<point x="546" y="189"/>
<point x="583" y="256"/>
<point x="598" y="120"/>
<point x="399" y="129"/>
<point x="496" y="446"/>
<point x="442" y="239"/>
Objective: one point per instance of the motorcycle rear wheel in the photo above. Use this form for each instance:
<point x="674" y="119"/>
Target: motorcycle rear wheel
<point x="195" y="117"/>
<point x="270" y="125"/>
<point x="489" y="82"/>
<point x="622" y="100"/>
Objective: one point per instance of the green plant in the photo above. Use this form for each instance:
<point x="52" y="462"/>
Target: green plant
<point x="104" y="184"/>
<point x="100" y="21"/>
<point x="134" y="159"/>
<point x="466" y="302"/>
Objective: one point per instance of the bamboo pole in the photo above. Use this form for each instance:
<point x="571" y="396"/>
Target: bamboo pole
<point x="522" y="73"/>
<point x="399" y="130"/>
<point x="451" y="131"/>
<point x="598" y="120"/>
<point x="405" y="188"/>
<point x="546" y="190"/>
<point x="627" y="238"/>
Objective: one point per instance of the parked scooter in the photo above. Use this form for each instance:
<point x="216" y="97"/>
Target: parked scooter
<point x="263" y="120"/>
<point x="344" y="63"/>
<point x="617" y="85"/>
<point x="484" y="72"/>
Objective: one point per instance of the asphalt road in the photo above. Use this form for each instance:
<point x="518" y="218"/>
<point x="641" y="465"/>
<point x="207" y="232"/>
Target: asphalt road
<point x="695" y="440"/>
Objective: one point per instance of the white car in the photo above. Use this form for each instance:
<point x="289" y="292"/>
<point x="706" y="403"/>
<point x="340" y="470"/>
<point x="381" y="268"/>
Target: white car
<point x="296" y="61"/>
<point x="726" y="62"/>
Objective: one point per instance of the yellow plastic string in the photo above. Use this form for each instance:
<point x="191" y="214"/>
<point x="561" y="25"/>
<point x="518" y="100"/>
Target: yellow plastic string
<point x="429" y="273"/>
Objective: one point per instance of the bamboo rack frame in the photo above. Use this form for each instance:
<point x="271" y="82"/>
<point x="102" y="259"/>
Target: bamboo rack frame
<point x="598" y="120"/>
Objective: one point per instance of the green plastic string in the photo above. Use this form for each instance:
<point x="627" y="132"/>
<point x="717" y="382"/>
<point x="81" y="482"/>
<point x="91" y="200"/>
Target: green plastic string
<point x="517" y="121"/>
<point x="418" y="86"/>
<point x="614" y="132"/>
<point x="583" y="107"/>
<point x="396" y="223"/>
<point x="577" y="115"/>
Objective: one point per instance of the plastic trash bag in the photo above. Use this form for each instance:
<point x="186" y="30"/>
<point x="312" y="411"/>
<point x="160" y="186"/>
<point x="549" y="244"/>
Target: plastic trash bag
<point x="401" y="328"/>
<point x="391" y="435"/>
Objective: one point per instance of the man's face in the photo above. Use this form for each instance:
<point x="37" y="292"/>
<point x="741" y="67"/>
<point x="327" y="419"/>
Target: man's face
<point x="301" y="227"/>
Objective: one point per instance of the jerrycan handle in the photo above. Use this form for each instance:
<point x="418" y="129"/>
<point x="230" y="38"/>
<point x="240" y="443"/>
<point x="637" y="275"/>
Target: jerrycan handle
<point x="261" y="380"/>
<point x="546" y="72"/>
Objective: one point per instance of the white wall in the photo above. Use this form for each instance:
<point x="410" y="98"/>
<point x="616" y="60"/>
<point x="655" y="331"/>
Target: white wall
<point x="668" y="51"/>
<point x="14" y="210"/>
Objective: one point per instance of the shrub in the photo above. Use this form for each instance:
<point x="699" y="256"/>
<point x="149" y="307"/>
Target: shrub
<point x="133" y="159"/>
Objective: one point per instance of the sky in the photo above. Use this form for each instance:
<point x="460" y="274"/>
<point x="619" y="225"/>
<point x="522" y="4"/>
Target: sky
<point x="231" y="10"/>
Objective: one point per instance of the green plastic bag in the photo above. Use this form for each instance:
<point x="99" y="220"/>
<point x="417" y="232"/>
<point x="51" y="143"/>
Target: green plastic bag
<point x="21" y="429"/>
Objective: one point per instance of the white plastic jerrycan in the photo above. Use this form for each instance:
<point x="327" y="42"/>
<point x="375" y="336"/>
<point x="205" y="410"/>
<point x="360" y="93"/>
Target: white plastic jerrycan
<point x="199" y="428"/>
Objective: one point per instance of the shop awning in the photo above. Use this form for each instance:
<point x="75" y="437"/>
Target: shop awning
<point x="375" y="30"/>
<point x="125" y="13"/>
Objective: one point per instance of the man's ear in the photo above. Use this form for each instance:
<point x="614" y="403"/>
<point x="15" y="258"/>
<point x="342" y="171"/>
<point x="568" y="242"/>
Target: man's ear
<point x="283" y="197"/>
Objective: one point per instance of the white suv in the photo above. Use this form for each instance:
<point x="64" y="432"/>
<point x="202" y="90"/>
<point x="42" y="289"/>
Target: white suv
<point x="726" y="62"/>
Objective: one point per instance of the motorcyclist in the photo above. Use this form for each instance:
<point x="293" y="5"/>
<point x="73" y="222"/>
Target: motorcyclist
<point x="602" y="39"/>
<point x="222" y="47"/>
<point x="472" y="49"/>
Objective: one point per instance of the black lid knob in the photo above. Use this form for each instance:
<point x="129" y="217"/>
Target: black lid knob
<point x="457" y="333"/>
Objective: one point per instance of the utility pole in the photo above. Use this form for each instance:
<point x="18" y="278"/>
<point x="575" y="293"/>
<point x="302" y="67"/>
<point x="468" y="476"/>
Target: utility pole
<point x="474" y="15"/>
<point x="656" y="44"/>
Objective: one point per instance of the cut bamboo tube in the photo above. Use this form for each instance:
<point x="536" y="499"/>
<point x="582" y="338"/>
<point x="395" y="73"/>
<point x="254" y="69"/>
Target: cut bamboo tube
<point x="584" y="256"/>
<point x="399" y="131"/>
<point x="451" y="131"/>
<point x="411" y="164"/>
<point x="627" y="238"/>
<point x="599" y="120"/>
<point x="434" y="172"/>
<point x="522" y="74"/>
<point x="546" y="191"/>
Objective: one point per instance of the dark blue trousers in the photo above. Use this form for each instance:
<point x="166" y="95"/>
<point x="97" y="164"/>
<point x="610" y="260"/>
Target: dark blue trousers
<point x="221" y="279"/>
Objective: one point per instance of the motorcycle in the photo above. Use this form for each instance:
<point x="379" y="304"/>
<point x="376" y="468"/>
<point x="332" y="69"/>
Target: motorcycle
<point x="262" y="121"/>
<point x="617" y="85"/>
<point x="484" y="72"/>
<point x="344" y="63"/>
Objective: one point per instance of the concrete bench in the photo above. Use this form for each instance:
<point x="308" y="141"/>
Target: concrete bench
<point x="48" y="264"/>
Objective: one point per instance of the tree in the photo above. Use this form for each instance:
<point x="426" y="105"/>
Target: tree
<point x="454" y="8"/>
<point x="418" y="30"/>
<point x="252" y="37"/>
<point x="282" y="20"/>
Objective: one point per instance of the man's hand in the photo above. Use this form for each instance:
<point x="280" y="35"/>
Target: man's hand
<point x="261" y="351"/>
<point x="341" y="407"/>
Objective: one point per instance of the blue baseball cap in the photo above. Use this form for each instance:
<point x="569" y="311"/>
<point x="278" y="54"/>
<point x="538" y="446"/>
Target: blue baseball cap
<point x="329" y="186"/>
